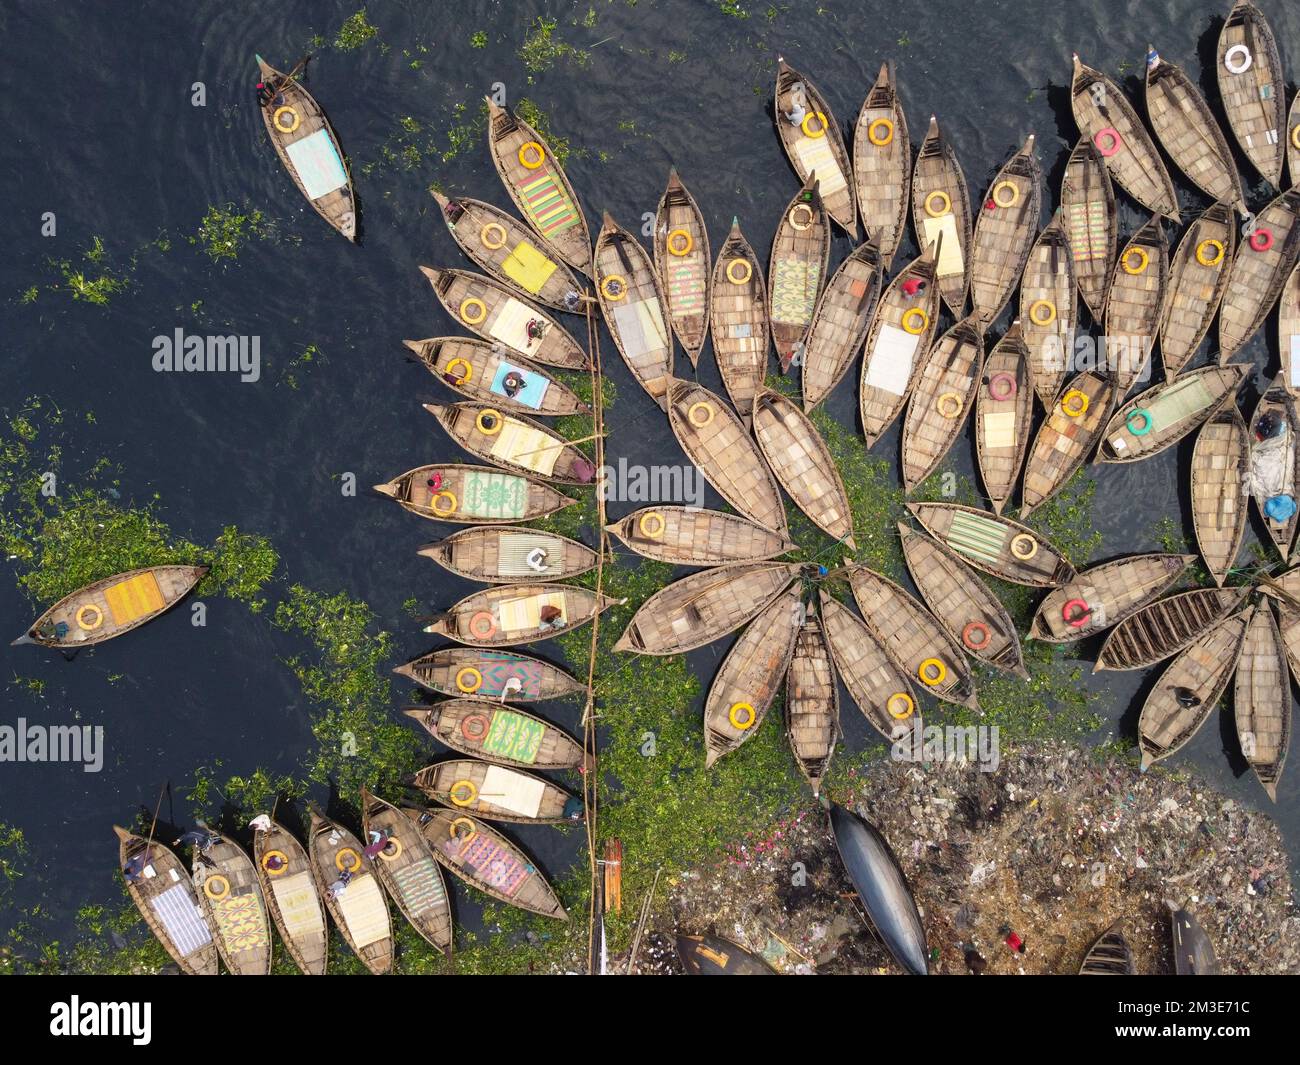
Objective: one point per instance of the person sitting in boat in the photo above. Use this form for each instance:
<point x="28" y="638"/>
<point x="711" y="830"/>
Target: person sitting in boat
<point x="378" y="842"/>
<point x="454" y="211"/>
<point x="512" y="384"/>
<point x="551" y="617"/>
<point x="572" y="301"/>
<point x="798" y="105"/>
<point x="134" y="867"/>
<point x="341" y="884"/>
<point x="534" y="330"/>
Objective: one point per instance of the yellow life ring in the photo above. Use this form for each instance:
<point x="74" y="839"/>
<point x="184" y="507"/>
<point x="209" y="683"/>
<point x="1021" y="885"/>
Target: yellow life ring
<point x="89" y="626"/>
<point x="471" y="687"/>
<point x="1074" y="404"/>
<point x="614" y="287"/>
<point x="932" y="672"/>
<point x="468" y="824"/>
<point x="1024" y="546"/>
<point x="475" y="302"/>
<point x="744" y="278"/>
<point x="450" y="368"/>
<point x="286" y="110"/>
<point x="463" y="785"/>
<point x="676" y="249"/>
<point x="821" y="120"/>
<point x="945" y="209"/>
<point x="392" y="841"/>
<point x="1216" y="246"/>
<point x="353" y="864"/>
<point x="704" y="406"/>
<point x="1295" y="138"/>
<point x="1051" y="312"/>
<point x="734" y="716"/>
<point x="907" y="319"/>
<point x="211" y="889"/>
<point x="801" y="216"/>
<point x="904" y="700"/>
<point x="949" y="405"/>
<point x="1143" y="261"/>
<point x="531" y="150"/>
<point x="444" y="494"/>
<point x="284" y="863"/>
<point x="496" y="229"/>
<point x="651" y="525"/>
<point x="490" y="428"/>
<point x="999" y="188"/>
<point x="888" y="126"/>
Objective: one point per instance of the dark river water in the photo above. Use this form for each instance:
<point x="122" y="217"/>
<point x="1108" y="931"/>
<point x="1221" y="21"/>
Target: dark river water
<point x="102" y="132"/>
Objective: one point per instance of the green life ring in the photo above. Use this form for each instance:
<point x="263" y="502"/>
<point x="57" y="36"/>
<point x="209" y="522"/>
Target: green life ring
<point x="1147" y="422"/>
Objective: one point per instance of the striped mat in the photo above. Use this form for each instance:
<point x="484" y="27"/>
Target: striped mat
<point x="686" y="285"/>
<point x="364" y="911"/>
<point x="548" y="205"/>
<point x="1180" y="401"/>
<point x="133" y="598"/>
<point x="513" y="736"/>
<point x="420" y="885"/>
<point x="1087" y="222"/>
<point x="976" y="537"/>
<point x="494" y="495"/>
<point x="524" y="613"/>
<point x="498" y="668"/>
<point x="299" y="905"/>
<point x="179" y="915"/>
<point x="493" y="864"/>
<point x="794" y="290"/>
<point x="512" y="559"/>
<point x="526" y="446"/>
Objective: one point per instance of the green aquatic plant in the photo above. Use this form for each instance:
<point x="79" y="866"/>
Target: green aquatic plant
<point x="541" y="49"/>
<point x="224" y="231"/>
<point x="96" y="286"/>
<point x="478" y="39"/>
<point x="356" y="31"/>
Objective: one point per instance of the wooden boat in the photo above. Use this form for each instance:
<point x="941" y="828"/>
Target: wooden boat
<point x="490" y="675"/>
<point x="882" y="165"/>
<point x="813" y="143"/>
<point x="112" y="606"/>
<point x="1259" y="270"/>
<point x="230" y="897"/>
<point x="509" y="553"/>
<point x="1220" y="465"/>
<point x="917" y="643"/>
<point x="999" y="546"/>
<point x="1276" y="474"/>
<point x="1134" y="304"/>
<point x="962" y="603"/>
<point x="941" y="215"/>
<point x="511" y="614"/>
<point x="1066" y="437"/>
<point x="486" y="860"/>
<point x="1004" y="412"/>
<point x="1193" y="951"/>
<point x="307" y="147"/>
<point x="900" y="335"/>
<point x="685" y="536"/>
<point x="358" y="907"/>
<point x="502" y="734"/>
<point x="1109" y="955"/>
<point x="537" y="183"/>
<point x="1049" y="309"/>
<point x="715" y="956"/>
<point x="406" y="868"/>
<point x="497" y="792"/>
<point x="879" y="688"/>
<point x="1104" y="595"/>
<point x="812" y="702"/>
<point x="492" y="311"/>
<point x="1189" y="689"/>
<point x="882" y="887"/>
<point x="738" y="320"/>
<point x="1262" y="699"/>
<point x="1165" y="627"/>
<point x="942" y="399"/>
<point x="1187" y="130"/>
<point x="289" y="890"/>
<point x="1293" y="142"/>
<point x="802" y="463"/>
<point x="715" y="440"/>
<point x="632" y="302"/>
<point x="1163" y="415"/>
<point x="1198" y="275"/>
<point x="1107" y="120"/>
<point x="508" y="250"/>
<point x="468" y="495"/>
<point x="1091" y="222"/>
<point x="840" y="323"/>
<point x="514" y="442"/>
<point x="796" y="272"/>
<point x="1005" y="228"/>
<point x="1253" y="88"/>
<point x="704" y="607"/>
<point x="164" y="895"/>
<point x="683" y="262"/>
<point x="1288" y="331"/>
<point x="487" y="374"/>
<point x="750" y="676"/>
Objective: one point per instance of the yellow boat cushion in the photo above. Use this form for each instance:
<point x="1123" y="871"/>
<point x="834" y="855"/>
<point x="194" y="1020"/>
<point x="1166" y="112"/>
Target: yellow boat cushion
<point x="528" y="267"/>
<point x="132" y="599"/>
<point x="525" y="613"/>
<point x="526" y="447"/>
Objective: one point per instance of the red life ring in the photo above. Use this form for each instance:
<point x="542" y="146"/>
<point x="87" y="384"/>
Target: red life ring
<point x="480" y="730"/>
<point x="1261" y="240"/>
<point x="1113" y="141"/>
<point x="1076" y="620"/>
<point x="1009" y="390"/>
<point x="976" y="626"/>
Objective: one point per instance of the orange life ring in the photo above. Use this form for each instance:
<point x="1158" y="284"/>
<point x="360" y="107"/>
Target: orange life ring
<point x="971" y="628"/>
<point x="476" y="734"/>
<point x="476" y="625"/>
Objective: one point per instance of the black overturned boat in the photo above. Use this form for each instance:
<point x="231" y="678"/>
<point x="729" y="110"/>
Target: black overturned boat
<point x="714" y="956"/>
<point x="1193" y="951"/>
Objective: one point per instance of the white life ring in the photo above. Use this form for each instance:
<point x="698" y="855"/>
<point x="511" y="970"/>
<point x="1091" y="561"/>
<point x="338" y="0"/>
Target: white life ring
<point x="1246" y="59"/>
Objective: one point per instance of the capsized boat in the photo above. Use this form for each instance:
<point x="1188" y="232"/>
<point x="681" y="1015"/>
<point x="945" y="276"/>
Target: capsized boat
<point x="406" y="868"/>
<point x="1104" y="595"/>
<point x="882" y="164"/>
<point x="796" y="272"/>
<point x="687" y="536"/>
<point x="472" y="495"/>
<point x="487" y="373"/>
<point x="1193" y="951"/>
<point x="502" y="734"/>
<point x="1005" y="228"/>
<point x="510" y="554"/>
<point x="999" y="546"/>
<point x="708" y="955"/>
<point x="1163" y="628"/>
<point x="514" y="442"/>
<point x="683" y="261"/>
<point x="813" y="143"/>
<point x="941" y="215"/>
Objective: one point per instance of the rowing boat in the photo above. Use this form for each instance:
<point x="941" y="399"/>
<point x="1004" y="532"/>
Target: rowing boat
<point x="900" y="335"/>
<point x="840" y="323"/>
<point x="687" y="536"/>
<point x="508" y="553"/>
<point x="1288" y="331"/>
<point x="738" y="320"/>
<point x="1104" y="595"/>
<point x="497" y="793"/>
<point x="508" y="250"/>
<point x="916" y="642"/>
<point x="882" y="165"/>
<point x="1220" y="466"/>
<point x="1161" y="416"/>
<point x="1049" y="309"/>
<point x="230" y="896"/>
<point x="486" y="373"/>
<point x="1109" y="955"/>
<point x="1005" y="228"/>
<point x="164" y="895"/>
<point x="683" y="261"/>
<point x="1259" y="270"/>
<point x="1293" y="142"/>
<point x="715" y="440"/>
<point x="1066" y="437"/>
<point x="405" y="867"/>
<point x="796" y="272"/>
<point x="112" y="606"/>
<point x="486" y="728"/>
<point x="506" y="615"/>
<point x="704" y="607"/>
<point x="812" y="702"/>
<point x="1004" y="414"/>
<point x="1107" y="120"/>
<point x="492" y="311"/>
<point x="1186" y="128"/>
<point x="289" y="890"/>
<point x="714" y="956"/>
<point x="308" y="148"/>
<point x="490" y="675"/>
<point x="1193" y="951"/>
<point x="1091" y="222"/>
<point x="750" y="676"/>
<point x="627" y="288"/>
<point x="802" y="463"/>
<point x="813" y="143"/>
<point x="1253" y="88"/>
<point x="1189" y="689"/>
<point x="486" y="860"/>
<point x="514" y="442"/>
<point x="1133" y="306"/>
<point x="962" y="603"/>
<point x="941" y="400"/>
<point x="999" y="546"/>
<point x="1198" y="276"/>
<point x="941" y="215"/>
<point x="1262" y="699"/>
<point x="1165" y="627"/>
<point x="537" y="183"/>
<point x="1274" y="462"/>
<point x="357" y="905"/>
<point x="468" y="495"/>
